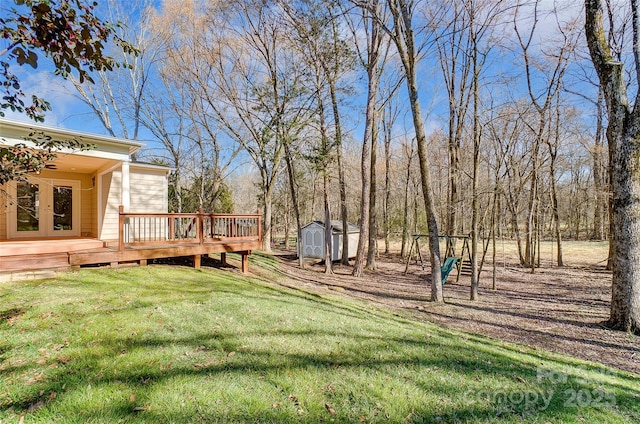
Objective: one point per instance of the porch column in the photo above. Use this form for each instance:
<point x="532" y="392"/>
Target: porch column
<point x="126" y="192"/>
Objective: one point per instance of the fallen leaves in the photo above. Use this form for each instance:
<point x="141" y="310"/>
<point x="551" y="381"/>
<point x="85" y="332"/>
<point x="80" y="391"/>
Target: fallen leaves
<point x="35" y="379"/>
<point x="297" y="403"/>
<point x="209" y="363"/>
<point x="329" y="409"/>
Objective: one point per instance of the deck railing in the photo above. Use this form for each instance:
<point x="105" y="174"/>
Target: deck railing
<point x="200" y="227"/>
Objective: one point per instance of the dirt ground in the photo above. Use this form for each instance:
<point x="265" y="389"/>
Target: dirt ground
<point x="558" y="309"/>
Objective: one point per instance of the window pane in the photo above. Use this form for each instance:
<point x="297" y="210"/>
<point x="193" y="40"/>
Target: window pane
<point x="62" y="208"/>
<point x="28" y="207"/>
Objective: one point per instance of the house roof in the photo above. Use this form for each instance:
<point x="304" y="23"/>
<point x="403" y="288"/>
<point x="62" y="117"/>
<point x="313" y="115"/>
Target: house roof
<point x="148" y="165"/>
<point x="336" y="226"/>
<point x="11" y="129"/>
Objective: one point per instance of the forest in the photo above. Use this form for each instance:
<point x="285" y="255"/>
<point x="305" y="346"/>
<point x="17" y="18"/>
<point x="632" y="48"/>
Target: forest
<point x="471" y="117"/>
<point x="280" y="91"/>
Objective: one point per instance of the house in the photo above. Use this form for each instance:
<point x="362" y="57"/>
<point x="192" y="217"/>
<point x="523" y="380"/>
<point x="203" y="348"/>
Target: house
<point x="81" y="195"/>
<point x="101" y="206"/>
<point x="312" y="244"/>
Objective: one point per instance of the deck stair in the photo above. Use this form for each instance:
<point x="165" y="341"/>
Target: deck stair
<point x="19" y="256"/>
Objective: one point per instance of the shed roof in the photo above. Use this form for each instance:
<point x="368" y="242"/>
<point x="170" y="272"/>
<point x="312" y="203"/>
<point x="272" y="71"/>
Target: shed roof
<point x="336" y="226"/>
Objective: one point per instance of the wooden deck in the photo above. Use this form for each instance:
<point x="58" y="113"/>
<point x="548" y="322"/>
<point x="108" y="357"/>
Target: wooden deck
<point x="142" y="237"/>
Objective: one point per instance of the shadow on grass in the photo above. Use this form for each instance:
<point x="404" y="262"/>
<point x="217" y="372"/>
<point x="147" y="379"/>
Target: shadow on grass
<point x="440" y="376"/>
<point x="523" y="393"/>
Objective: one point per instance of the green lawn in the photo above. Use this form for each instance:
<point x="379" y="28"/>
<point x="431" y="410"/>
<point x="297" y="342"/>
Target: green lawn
<point x="173" y="344"/>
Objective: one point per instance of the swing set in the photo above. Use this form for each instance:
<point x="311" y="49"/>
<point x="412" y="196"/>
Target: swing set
<point x="452" y="259"/>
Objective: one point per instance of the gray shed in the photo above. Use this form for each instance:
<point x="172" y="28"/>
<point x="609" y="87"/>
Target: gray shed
<point x="312" y="244"/>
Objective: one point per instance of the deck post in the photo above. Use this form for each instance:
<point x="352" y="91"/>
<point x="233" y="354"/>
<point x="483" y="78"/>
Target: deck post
<point x="259" y="225"/>
<point x="172" y="228"/>
<point x="196" y="261"/>
<point x="245" y="261"/>
<point x="223" y="258"/>
<point x="200" y="223"/>
<point x="121" y="228"/>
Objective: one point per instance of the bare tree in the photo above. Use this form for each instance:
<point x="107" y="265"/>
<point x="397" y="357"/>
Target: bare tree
<point x="409" y="153"/>
<point x="254" y="78"/>
<point x="623" y="135"/>
<point x="454" y="47"/>
<point x="541" y="103"/>
<point x="403" y="36"/>
<point x="116" y="98"/>
<point x="338" y="60"/>
<point x="328" y="58"/>
<point x="371" y="14"/>
<point x="185" y="72"/>
<point x="389" y="116"/>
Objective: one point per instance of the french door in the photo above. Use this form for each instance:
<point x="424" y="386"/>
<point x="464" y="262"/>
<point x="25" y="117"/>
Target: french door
<point x="44" y="208"/>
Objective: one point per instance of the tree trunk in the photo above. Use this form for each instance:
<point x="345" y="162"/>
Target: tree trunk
<point x="599" y="176"/>
<point x="403" y="37"/>
<point x="387" y="186"/>
<point x="623" y="135"/>
<point x="328" y="234"/>
<point x="423" y="159"/>
<point x="294" y="199"/>
<point x="515" y="227"/>
<point x="344" y="260"/>
<point x="454" y="178"/>
<point x="405" y="216"/>
<point x="625" y="184"/>
<point x="553" y="154"/>
<point x="556" y="215"/>
<point x="287" y="222"/>
<point x="530" y="228"/>
<point x="344" y="215"/>
<point x="266" y="222"/>
<point x="373" y="194"/>
<point x="493" y="236"/>
<point x="475" y="275"/>
<point x="365" y="161"/>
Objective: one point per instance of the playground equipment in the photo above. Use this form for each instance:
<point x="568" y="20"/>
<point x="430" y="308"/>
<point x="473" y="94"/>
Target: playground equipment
<point x="452" y="259"/>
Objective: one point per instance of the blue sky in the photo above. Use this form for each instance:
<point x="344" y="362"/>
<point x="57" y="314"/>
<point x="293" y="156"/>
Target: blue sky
<point x="71" y="113"/>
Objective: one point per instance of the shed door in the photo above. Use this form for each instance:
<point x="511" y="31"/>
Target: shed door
<point x="314" y="242"/>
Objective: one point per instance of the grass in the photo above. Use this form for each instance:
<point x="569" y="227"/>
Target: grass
<point x="175" y="345"/>
<point x="579" y="253"/>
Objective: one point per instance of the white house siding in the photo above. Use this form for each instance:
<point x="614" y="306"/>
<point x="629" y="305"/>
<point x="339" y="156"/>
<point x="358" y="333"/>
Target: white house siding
<point x="149" y="194"/>
<point x="148" y="188"/>
<point x="111" y="200"/>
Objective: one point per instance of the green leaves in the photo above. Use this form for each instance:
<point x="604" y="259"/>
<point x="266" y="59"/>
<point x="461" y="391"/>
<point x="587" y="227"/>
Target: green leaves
<point x="25" y="57"/>
<point x="66" y="31"/>
<point x="74" y="38"/>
